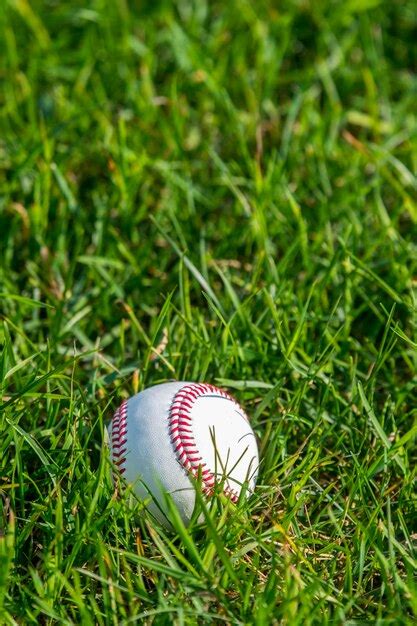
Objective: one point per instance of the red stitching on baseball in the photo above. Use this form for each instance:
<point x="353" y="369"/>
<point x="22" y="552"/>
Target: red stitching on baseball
<point x="119" y="438"/>
<point x="183" y="440"/>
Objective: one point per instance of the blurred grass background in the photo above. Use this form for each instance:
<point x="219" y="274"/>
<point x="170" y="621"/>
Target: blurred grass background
<point x="223" y="192"/>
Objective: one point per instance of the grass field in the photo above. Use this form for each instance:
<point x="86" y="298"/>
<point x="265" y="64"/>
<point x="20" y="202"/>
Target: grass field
<point x="222" y="192"/>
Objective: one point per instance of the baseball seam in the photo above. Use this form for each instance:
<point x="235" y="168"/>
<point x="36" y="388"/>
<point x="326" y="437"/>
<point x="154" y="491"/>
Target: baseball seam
<point x="119" y="439"/>
<point x="182" y="436"/>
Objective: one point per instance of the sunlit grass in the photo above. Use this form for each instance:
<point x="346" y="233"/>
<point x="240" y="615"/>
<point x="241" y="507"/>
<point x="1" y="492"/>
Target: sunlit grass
<point x="222" y="192"/>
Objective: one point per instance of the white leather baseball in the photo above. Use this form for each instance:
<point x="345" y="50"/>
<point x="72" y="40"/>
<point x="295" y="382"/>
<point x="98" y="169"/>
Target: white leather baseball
<point x="161" y="436"/>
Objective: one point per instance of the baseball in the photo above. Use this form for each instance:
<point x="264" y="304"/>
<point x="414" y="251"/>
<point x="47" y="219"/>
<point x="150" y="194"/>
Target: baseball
<point x="163" y="436"/>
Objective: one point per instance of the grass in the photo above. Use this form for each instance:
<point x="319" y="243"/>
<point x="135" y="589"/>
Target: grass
<point x="221" y="192"/>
